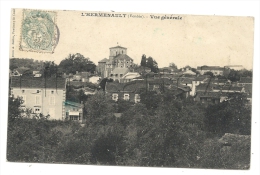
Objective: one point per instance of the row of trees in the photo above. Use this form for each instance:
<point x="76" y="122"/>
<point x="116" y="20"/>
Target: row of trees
<point x="165" y="132"/>
<point x="71" y="64"/>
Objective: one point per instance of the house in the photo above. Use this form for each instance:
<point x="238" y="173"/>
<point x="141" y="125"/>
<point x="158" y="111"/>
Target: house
<point x="188" y="72"/>
<point x="216" y="70"/>
<point x="208" y="97"/>
<point x="19" y="71"/>
<point x="233" y="89"/>
<point x="81" y="76"/>
<point x="94" y="79"/>
<point x="186" y="68"/>
<point x="245" y="81"/>
<point x="127" y="91"/>
<point x="74" y="111"/>
<point x="42" y="95"/>
<point x="37" y="73"/>
<point x="118" y="74"/>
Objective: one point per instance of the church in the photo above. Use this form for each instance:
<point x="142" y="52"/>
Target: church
<point x="117" y="65"/>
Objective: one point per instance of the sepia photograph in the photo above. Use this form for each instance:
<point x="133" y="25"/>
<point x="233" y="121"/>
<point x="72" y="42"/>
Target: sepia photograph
<point x="130" y="89"/>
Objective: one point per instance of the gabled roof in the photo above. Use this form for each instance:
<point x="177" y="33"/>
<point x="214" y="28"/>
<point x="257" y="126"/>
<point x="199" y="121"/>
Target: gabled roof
<point x="232" y="88"/>
<point x="119" y="70"/>
<point x="208" y="94"/>
<point x="201" y="77"/>
<point x="25" y="82"/>
<point x="122" y="57"/>
<point x="133" y="86"/>
<point x="103" y="60"/>
<point x="71" y="103"/>
<point x="210" y="68"/>
<point x="245" y="80"/>
<point x="117" y="47"/>
<point x="21" y="70"/>
<point x="131" y="75"/>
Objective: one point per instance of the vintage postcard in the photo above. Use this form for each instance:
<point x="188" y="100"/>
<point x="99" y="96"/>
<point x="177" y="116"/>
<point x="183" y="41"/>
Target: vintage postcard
<point x="130" y="89"/>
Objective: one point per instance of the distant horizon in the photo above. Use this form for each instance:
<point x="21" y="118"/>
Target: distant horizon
<point x="140" y="62"/>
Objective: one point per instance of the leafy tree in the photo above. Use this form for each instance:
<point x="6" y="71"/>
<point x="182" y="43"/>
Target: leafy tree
<point x="234" y="75"/>
<point x="143" y="60"/>
<point x="98" y="106"/>
<point x="103" y="82"/>
<point x="173" y="65"/>
<point x="232" y="116"/>
<point x="209" y="73"/>
<point x="152" y="64"/>
<point x="77" y="62"/>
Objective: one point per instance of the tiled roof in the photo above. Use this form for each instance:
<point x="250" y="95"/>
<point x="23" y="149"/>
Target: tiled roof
<point x="122" y="57"/>
<point x="210" y="68"/>
<point x="132" y="86"/>
<point x="25" y="82"/>
<point x="21" y="70"/>
<point x="103" y="60"/>
<point x="201" y="78"/>
<point x="232" y="88"/>
<point x="117" y="47"/>
<point x="71" y="103"/>
<point x="119" y="70"/>
<point x="209" y="94"/>
<point x="248" y="88"/>
<point x="186" y="80"/>
<point x="245" y="80"/>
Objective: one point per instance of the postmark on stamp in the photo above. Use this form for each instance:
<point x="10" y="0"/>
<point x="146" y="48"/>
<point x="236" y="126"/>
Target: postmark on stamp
<point x="39" y="32"/>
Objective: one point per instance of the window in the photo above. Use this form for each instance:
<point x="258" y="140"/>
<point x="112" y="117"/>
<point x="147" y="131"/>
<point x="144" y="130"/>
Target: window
<point x="126" y="96"/>
<point x="116" y="75"/>
<point x="52" y="92"/>
<point x="23" y="97"/>
<point x="115" y="97"/>
<point x="22" y="91"/>
<point x="38" y="91"/>
<point x="121" y="75"/>
<point x="37" y="110"/>
<point x="52" y="100"/>
<point x="127" y="62"/>
<point x="37" y="99"/>
<point x="111" y="75"/>
<point x="137" y="98"/>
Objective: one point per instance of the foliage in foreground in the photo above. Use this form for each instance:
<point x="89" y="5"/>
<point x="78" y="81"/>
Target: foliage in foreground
<point x="177" y="133"/>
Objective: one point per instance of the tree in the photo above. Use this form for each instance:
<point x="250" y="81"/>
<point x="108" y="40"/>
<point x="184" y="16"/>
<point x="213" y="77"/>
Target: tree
<point x="234" y="75"/>
<point x="152" y="64"/>
<point x="209" y="73"/>
<point x="98" y="106"/>
<point x="77" y="62"/>
<point x="173" y="65"/>
<point x="232" y="116"/>
<point x="143" y="60"/>
<point x="49" y="69"/>
<point x="103" y="82"/>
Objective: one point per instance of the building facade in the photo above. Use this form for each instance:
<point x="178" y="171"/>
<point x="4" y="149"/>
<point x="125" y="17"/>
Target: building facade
<point x="41" y="96"/>
<point x="118" y="58"/>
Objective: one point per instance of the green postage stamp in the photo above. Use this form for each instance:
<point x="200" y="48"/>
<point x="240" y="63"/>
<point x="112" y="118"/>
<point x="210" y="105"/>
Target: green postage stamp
<point x="39" y="32"/>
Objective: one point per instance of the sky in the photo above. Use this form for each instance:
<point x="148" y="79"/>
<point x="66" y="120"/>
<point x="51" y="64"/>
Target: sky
<point x="191" y="40"/>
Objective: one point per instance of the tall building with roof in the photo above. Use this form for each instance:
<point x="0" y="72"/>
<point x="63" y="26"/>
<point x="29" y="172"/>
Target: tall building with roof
<point x="42" y="96"/>
<point x="118" y="58"/>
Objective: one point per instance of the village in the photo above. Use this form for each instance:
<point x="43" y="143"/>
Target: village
<point x="121" y="78"/>
<point x="97" y="109"/>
